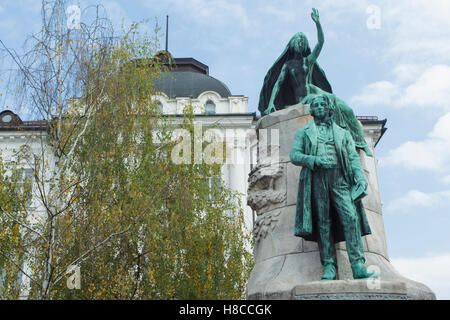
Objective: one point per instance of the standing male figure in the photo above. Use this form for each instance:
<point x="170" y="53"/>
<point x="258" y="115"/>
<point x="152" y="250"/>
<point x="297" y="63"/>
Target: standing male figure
<point x="332" y="183"/>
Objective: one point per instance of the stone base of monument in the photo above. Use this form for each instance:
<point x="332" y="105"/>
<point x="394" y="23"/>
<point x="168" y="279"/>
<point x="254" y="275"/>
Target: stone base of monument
<point x="371" y="289"/>
<point x="297" y="276"/>
<point x="288" y="267"/>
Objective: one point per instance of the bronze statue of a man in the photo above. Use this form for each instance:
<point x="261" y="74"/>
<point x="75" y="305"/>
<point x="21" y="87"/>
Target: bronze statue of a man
<point x="332" y="183"/>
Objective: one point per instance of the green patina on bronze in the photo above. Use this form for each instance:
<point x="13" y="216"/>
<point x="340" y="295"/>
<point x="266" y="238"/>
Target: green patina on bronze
<point x="331" y="185"/>
<point x="295" y="77"/>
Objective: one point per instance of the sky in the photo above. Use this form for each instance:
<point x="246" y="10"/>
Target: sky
<point x="389" y="59"/>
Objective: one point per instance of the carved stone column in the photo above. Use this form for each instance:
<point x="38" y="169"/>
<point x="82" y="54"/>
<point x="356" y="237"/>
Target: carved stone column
<point x="288" y="267"/>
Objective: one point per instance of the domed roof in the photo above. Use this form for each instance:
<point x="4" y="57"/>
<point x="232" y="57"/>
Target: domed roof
<point x="189" y="84"/>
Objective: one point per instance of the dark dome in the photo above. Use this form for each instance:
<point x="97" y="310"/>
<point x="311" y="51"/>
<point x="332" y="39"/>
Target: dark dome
<point x="189" y="84"/>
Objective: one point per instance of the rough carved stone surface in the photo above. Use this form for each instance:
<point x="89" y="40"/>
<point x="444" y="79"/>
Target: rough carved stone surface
<point x="372" y="289"/>
<point x="284" y="115"/>
<point x="265" y="187"/>
<point x="351" y="286"/>
<point x="265" y="223"/>
<point x="273" y="235"/>
<point x="352" y="296"/>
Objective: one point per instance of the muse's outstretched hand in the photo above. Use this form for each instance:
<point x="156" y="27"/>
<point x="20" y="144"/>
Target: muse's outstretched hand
<point x="315" y="15"/>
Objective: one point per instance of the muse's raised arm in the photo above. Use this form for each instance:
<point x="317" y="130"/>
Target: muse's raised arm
<point x="320" y="38"/>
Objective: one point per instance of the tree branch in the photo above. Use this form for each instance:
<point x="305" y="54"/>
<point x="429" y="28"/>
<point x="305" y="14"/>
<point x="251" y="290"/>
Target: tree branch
<point x="87" y="253"/>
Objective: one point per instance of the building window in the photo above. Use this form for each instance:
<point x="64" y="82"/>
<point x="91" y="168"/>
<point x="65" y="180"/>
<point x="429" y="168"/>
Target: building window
<point x="210" y="107"/>
<point x="26" y="179"/>
<point x="160" y="107"/>
<point x="7" y="118"/>
<point x="214" y="184"/>
<point x="28" y="175"/>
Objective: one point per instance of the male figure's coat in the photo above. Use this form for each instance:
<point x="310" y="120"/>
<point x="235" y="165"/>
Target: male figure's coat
<point x="303" y="154"/>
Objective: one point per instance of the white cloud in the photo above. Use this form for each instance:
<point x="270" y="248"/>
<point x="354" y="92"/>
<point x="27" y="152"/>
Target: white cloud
<point x="432" y="153"/>
<point x="430" y="88"/>
<point x="116" y="13"/>
<point x="417" y="33"/>
<point x="446" y="179"/>
<point x="417" y="155"/>
<point x="28" y="5"/>
<point x="406" y="73"/>
<point x="416" y="30"/>
<point x="441" y="129"/>
<point x="280" y="12"/>
<point x="337" y="11"/>
<point x="377" y="93"/>
<point x="432" y="271"/>
<point x="415" y="198"/>
<point x="212" y="13"/>
<point x="420" y="29"/>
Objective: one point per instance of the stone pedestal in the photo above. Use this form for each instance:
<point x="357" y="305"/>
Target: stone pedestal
<point x="285" y="265"/>
<point x="351" y="290"/>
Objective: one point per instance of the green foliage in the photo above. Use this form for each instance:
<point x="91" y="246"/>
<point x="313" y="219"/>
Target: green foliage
<point x="15" y="192"/>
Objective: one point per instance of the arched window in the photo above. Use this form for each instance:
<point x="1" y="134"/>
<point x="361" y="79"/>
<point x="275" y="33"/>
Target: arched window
<point x="210" y="107"/>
